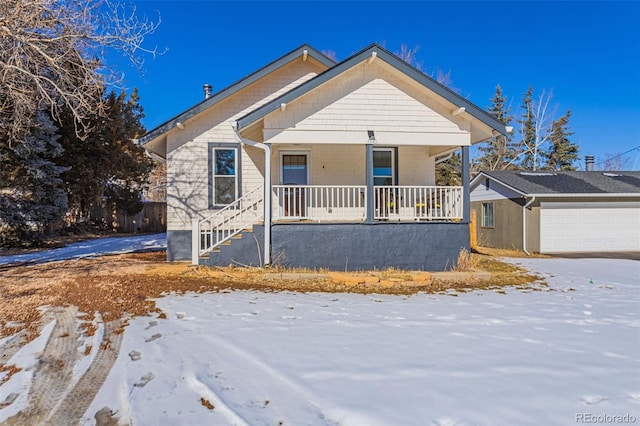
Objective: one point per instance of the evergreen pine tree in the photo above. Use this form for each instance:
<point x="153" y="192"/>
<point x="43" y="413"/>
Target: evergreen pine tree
<point x="107" y="166"/>
<point x="129" y="164"/>
<point x="498" y="153"/>
<point x="562" y="152"/>
<point x="32" y="197"/>
<point x="527" y="124"/>
<point x="449" y="172"/>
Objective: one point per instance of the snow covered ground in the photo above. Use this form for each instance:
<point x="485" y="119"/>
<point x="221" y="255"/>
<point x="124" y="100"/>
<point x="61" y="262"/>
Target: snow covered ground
<point x="90" y="248"/>
<point x="481" y="358"/>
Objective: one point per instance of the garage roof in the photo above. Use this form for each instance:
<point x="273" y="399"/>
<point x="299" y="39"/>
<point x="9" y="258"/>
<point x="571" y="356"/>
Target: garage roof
<point x="569" y="183"/>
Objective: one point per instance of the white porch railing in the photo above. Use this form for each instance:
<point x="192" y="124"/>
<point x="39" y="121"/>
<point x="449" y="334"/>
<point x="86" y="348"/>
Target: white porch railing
<point x="320" y="202"/>
<point x="349" y="203"/>
<point x="224" y="224"/>
<point x="418" y="202"/>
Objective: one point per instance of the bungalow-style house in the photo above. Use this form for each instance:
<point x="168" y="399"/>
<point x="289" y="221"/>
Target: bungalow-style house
<point x="558" y="212"/>
<point x="311" y="163"/>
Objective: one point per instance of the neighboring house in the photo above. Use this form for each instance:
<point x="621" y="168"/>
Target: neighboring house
<point x="558" y="212"/>
<point x="311" y="163"/>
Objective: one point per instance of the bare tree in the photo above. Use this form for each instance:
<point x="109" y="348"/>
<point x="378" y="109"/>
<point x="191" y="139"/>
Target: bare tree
<point x="535" y="128"/>
<point x="331" y="54"/>
<point x="614" y="162"/>
<point x="51" y="57"/>
<point x="543" y="122"/>
<point x="409" y="55"/>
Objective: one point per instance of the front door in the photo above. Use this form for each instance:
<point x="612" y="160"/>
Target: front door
<point x="295" y="171"/>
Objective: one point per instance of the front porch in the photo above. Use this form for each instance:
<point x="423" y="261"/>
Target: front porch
<point x="341" y="191"/>
<point x="344" y="203"/>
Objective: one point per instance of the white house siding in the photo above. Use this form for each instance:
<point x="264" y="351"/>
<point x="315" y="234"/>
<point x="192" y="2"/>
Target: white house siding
<point x="329" y="164"/>
<point x="187" y="149"/>
<point x="415" y="166"/>
<point x="368" y="97"/>
<point x="346" y="164"/>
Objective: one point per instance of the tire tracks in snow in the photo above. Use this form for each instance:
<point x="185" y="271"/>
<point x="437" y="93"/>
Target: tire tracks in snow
<point x="78" y="399"/>
<point x="55" y="398"/>
<point x="54" y="370"/>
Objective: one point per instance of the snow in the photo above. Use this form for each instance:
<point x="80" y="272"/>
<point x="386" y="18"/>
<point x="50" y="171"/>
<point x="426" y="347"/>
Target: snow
<point x="479" y="358"/>
<point x="81" y="367"/>
<point x="91" y="248"/>
<point x="26" y="359"/>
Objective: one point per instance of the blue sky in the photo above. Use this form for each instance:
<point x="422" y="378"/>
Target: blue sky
<point x="588" y="53"/>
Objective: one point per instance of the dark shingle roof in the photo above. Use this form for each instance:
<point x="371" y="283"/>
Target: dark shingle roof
<point x="592" y="182"/>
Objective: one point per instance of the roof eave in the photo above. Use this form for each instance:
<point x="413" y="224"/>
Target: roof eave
<point x="585" y="194"/>
<point x="476" y="180"/>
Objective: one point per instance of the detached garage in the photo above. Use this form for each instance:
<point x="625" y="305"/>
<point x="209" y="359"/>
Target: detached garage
<point x="558" y="212"/>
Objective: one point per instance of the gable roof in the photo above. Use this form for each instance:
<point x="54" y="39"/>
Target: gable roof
<point x="233" y="88"/>
<point x="392" y="60"/>
<point x="566" y="183"/>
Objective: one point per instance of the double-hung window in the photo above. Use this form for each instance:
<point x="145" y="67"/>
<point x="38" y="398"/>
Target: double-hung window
<point x="487" y="215"/>
<point x="224" y="176"/>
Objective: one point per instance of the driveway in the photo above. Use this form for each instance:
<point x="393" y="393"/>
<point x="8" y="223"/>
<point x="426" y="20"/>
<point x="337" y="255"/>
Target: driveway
<point x="625" y="255"/>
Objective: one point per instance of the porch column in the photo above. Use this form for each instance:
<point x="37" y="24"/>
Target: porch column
<point x="369" y="171"/>
<point x="466" y="196"/>
<point x="266" y="202"/>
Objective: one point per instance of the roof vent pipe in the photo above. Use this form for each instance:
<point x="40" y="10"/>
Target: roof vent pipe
<point x="589" y="162"/>
<point x="207" y="90"/>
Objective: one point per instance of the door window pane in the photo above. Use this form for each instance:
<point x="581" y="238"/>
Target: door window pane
<point x="294" y="169"/>
<point x="382" y="181"/>
<point x="383" y="167"/>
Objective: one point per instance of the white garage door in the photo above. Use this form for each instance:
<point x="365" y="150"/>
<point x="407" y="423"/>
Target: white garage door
<point x="588" y="227"/>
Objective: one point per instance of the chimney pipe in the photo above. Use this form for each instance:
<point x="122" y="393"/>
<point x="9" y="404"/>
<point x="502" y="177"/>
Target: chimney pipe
<point x="207" y="90"/>
<point x="589" y="160"/>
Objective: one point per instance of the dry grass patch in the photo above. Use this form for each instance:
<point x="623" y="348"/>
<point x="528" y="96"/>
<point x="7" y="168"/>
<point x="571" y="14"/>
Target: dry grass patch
<point x="9" y="370"/>
<point x="123" y="286"/>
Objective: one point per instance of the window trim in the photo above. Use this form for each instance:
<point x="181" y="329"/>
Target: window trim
<point x="212" y="147"/>
<point x="483" y="215"/>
